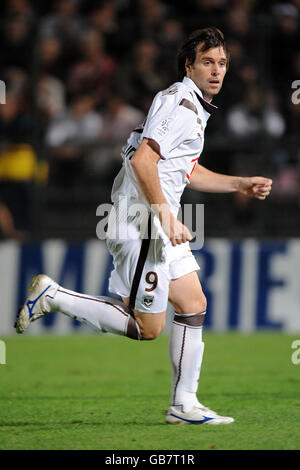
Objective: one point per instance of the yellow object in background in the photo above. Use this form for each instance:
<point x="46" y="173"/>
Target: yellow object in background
<point x="20" y="163"/>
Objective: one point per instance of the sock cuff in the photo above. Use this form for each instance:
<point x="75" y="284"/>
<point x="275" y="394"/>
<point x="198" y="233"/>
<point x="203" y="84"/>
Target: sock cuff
<point x="189" y="319"/>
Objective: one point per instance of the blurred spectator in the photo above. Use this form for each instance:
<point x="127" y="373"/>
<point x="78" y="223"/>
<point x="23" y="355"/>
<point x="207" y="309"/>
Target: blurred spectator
<point x="22" y="9"/>
<point x="79" y="125"/>
<point x="169" y="39"/>
<point x="119" y="119"/>
<point x="150" y="16"/>
<point x="94" y="72"/>
<point x="17" y="84"/>
<point x="296" y="3"/>
<point x="238" y="25"/>
<point x="18" y="43"/>
<point x="15" y="124"/>
<point x="140" y="78"/>
<point x="203" y="13"/>
<point x="65" y="24"/>
<point x="285" y="42"/>
<point x="18" y="162"/>
<point x="103" y="18"/>
<point x="49" y="90"/>
<point x="246" y="5"/>
<point x="251" y="117"/>
<point x="50" y="96"/>
<point x="50" y="57"/>
<point x="68" y="134"/>
<point x="233" y="88"/>
<point x="287" y="173"/>
<point x="7" y="225"/>
<point x="287" y="183"/>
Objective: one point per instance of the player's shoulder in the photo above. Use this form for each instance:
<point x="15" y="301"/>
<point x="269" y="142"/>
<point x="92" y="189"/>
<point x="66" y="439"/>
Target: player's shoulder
<point x="170" y="98"/>
<point x="176" y="92"/>
<point x="172" y="94"/>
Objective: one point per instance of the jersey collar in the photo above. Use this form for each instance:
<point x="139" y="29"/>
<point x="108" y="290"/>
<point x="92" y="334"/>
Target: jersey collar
<point x="210" y="108"/>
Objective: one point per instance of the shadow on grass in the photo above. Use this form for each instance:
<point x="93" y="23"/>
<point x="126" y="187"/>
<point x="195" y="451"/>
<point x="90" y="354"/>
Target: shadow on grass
<point x="253" y="395"/>
<point x="46" y="426"/>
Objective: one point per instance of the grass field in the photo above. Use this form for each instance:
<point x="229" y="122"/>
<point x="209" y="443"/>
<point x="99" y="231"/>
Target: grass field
<point x="104" y="392"/>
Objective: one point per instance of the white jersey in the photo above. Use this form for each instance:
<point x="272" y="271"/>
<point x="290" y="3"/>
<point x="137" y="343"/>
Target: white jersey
<point x="144" y="259"/>
<point x="176" y="122"/>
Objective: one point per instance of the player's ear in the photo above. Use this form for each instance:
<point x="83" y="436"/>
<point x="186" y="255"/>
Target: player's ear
<point x="187" y="66"/>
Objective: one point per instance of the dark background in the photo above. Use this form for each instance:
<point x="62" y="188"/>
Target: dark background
<point x="80" y="75"/>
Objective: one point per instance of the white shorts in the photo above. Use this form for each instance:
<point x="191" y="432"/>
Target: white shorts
<point x="144" y="268"/>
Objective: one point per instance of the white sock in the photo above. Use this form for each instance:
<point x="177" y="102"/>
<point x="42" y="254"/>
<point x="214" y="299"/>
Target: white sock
<point x="105" y="314"/>
<point x="186" y="351"/>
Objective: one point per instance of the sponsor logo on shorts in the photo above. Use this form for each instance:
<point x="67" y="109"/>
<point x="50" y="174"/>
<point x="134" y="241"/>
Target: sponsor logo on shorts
<point x="148" y="300"/>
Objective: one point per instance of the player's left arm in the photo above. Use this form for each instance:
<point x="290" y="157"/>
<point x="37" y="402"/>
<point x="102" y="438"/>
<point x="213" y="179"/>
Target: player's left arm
<point x="208" y="181"/>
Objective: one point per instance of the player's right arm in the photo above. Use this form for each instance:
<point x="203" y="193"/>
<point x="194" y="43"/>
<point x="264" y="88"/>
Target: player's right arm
<point x="144" y="165"/>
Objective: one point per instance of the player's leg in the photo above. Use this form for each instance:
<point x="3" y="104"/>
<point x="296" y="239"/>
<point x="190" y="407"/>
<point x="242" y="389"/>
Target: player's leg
<point x="185" y="345"/>
<point x="186" y="349"/>
<point x="150" y="324"/>
<point x="105" y="314"/>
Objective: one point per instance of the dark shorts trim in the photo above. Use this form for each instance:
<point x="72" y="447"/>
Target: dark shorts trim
<point x="140" y="266"/>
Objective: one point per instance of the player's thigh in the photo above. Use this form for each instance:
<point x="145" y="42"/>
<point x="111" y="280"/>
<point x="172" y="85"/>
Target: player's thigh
<point x="186" y="294"/>
<point x="151" y="324"/>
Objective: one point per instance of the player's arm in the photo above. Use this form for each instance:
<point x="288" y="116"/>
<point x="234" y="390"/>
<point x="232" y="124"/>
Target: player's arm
<point x="144" y="165"/>
<point x="208" y="181"/>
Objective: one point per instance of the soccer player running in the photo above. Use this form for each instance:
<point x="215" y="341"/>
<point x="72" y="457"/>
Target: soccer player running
<point x="155" y="265"/>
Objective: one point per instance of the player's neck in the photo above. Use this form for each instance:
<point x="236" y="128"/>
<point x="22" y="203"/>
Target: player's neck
<point x="206" y="96"/>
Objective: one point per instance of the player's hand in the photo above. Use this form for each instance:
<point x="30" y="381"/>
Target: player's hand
<point x="174" y="229"/>
<point x="257" y="186"/>
<point x="179" y="233"/>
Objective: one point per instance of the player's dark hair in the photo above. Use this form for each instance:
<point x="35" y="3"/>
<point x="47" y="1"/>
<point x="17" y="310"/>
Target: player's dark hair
<point x="210" y="37"/>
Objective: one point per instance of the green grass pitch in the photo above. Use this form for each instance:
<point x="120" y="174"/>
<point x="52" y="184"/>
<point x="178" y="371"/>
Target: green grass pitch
<point x="104" y="392"/>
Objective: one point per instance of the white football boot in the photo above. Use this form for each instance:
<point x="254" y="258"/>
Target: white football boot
<point x="36" y="305"/>
<point x="199" y="414"/>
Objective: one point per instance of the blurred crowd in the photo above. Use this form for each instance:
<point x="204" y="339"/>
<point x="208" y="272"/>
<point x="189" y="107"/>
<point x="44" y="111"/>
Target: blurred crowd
<point x="80" y="75"/>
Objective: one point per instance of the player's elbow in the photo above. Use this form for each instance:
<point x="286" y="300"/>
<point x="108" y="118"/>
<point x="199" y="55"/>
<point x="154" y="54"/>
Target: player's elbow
<point x="136" y="164"/>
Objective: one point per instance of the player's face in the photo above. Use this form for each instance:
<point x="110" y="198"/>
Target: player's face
<point x="208" y="70"/>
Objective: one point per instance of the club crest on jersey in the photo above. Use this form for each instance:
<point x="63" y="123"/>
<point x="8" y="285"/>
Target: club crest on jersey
<point x="164" y="126"/>
<point x="148" y="300"/>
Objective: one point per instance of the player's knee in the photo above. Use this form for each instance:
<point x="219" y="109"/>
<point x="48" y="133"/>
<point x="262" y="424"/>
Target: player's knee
<point x="195" y="305"/>
<point x="152" y="332"/>
<point x="202" y="303"/>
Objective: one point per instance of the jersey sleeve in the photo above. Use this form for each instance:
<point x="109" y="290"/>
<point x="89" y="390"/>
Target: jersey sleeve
<point x="168" y="123"/>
